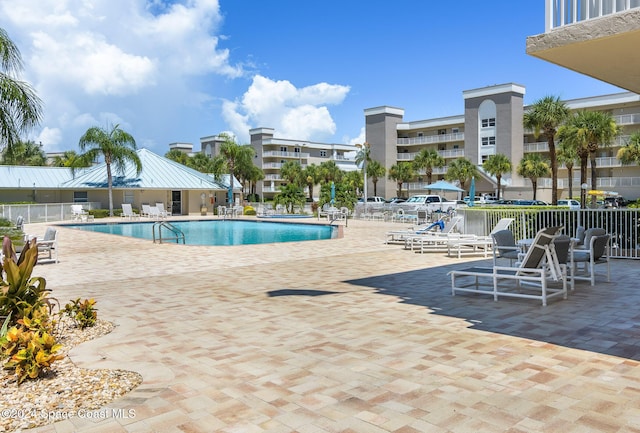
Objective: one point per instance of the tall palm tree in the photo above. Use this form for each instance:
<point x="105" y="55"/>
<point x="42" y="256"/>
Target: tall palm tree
<point x="401" y="172"/>
<point x="497" y="165"/>
<point x="231" y="156"/>
<point x="329" y="172"/>
<point x="291" y="171"/>
<point x="116" y="146"/>
<point x="20" y="107"/>
<point x="630" y="153"/>
<point x="587" y="131"/>
<point x="363" y="157"/>
<point x="178" y="156"/>
<point x="532" y="166"/>
<point x="545" y="117"/>
<point x="24" y="153"/>
<point x="311" y="175"/>
<point x="428" y="159"/>
<point x="462" y="170"/>
<point x="375" y="170"/>
<point x="568" y="155"/>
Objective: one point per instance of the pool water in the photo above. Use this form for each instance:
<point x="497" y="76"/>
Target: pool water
<point x="207" y="232"/>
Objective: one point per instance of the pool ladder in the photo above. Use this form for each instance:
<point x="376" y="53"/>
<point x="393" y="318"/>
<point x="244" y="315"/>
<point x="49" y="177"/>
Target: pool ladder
<point x="177" y="234"/>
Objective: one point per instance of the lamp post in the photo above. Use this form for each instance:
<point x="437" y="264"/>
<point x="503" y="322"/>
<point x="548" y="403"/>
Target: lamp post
<point x="583" y="195"/>
<point x="365" y="148"/>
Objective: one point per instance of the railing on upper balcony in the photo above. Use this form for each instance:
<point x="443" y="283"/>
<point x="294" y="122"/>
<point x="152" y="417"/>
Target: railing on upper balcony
<point x="560" y="13"/>
<point x="452" y="153"/>
<point x="279" y="154"/>
<point x="426" y="139"/>
<point x="605" y="183"/>
<point x="542" y="146"/>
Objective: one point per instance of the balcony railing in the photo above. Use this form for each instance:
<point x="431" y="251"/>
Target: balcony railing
<point x="427" y="139"/>
<point x="452" y="153"/>
<point x="561" y="13"/>
<point x="542" y="146"/>
<point x="627" y="119"/>
<point x="605" y="183"/>
<point x="278" y="154"/>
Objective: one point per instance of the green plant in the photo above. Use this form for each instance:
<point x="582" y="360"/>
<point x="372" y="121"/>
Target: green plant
<point x="28" y="352"/>
<point x="83" y="313"/>
<point x="21" y="294"/>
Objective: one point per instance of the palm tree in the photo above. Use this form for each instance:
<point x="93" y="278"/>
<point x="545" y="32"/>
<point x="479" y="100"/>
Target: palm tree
<point x="497" y="165"/>
<point x="567" y="155"/>
<point x="20" y="107"/>
<point x="428" y="159"/>
<point x="401" y="172"/>
<point x="24" y="153"/>
<point x="532" y="166"/>
<point x="363" y="157"/>
<point x="376" y="171"/>
<point x="291" y="171"/>
<point x="70" y="159"/>
<point x="200" y="162"/>
<point x="178" y="156"/>
<point x="231" y="155"/>
<point x="586" y="131"/>
<point x="462" y="170"/>
<point x="311" y="175"/>
<point x="630" y="153"/>
<point x="116" y="146"/>
<point x="545" y="117"/>
<point x="329" y="172"/>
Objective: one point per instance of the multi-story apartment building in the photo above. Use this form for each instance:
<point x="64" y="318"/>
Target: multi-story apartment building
<point x="492" y="123"/>
<point x="272" y="152"/>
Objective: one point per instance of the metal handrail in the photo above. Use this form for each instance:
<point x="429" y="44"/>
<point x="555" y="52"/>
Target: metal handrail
<point x="178" y="234"/>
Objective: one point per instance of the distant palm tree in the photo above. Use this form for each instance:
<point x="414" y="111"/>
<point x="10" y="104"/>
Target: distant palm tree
<point x="533" y="167"/>
<point x="24" y="153"/>
<point x="231" y="155"/>
<point x="70" y="159"/>
<point x="116" y="146"/>
<point x="630" y="153"/>
<point x="568" y="155"/>
<point x="20" y="107"/>
<point x="375" y="171"/>
<point x="497" y="165"/>
<point x="462" y="170"/>
<point x="587" y="131"/>
<point x="401" y="172"/>
<point x="428" y="159"/>
<point x="545" y="117"/>
<point x="178" y="156"/>
<point x="329" y="172"/>
<point x="311" y="174"/>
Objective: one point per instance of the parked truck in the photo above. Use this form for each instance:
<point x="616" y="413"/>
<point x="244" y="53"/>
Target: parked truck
<point x="430" y="202"/>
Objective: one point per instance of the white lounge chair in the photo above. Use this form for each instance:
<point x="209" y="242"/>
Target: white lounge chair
<point x="145" y="211"/>
<point x="529" y="279"/>
<point x="78" y="213"/>
<point x="478" y="244"/>
<point x="48" y="246"/>
<point x="435" y="241"/>
<point x="163" y="212"/>
<point x="127" y="212"/>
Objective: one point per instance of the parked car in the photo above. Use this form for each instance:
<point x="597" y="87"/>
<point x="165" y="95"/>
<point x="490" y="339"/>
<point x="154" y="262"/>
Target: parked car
<point x="530" y="203"/>
<point x="570" y="203"/>
<point x="504" y="202"/>
<point x="396" y="200"/>
<point x="615" y="202"/>
<point x="374" y="199"/>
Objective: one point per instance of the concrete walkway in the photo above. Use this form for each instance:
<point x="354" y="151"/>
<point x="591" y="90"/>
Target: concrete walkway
<point x="346" y="335"/>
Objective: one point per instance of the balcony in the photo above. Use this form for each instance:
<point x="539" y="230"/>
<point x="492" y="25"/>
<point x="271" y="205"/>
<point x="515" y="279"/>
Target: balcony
<point x="276" y="165"/>
<point x="279" y="154"/>
<point x="429" y="139"/>
<point x="452" y="153"/>
<point x="593" y="37"/>
<point x="542" y="146"/>
<point x="604" y="183"/>
<point x="627" y="119"/>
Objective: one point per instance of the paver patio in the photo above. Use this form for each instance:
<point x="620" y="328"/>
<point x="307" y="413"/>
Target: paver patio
<point x="347" y="335"/>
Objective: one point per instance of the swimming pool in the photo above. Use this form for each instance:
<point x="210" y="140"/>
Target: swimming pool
<point x="209" y="232"/>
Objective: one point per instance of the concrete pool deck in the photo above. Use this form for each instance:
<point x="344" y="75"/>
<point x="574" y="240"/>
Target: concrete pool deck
<point x="345" y="335"/>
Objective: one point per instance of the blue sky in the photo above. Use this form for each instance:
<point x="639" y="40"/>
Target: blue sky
<point x="175" y="71"/>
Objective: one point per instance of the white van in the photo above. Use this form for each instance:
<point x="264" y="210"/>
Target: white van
<point x="570" y="203"/>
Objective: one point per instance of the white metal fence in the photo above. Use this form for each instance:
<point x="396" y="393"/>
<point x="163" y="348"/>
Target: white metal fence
<point x="622" y="224"/>
<point x="42" y="212"/>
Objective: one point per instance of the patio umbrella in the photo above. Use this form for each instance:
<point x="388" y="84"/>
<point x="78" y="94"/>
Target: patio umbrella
<point x="472" y="191"/>
<point x="442" y="185"/>
<point x="333" y="192"/>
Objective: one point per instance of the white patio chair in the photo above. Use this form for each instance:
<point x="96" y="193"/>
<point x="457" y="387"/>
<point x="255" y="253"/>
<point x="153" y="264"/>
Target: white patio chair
<point x="78" y="213"/>
<point x="596" y="253"/>
<point x="127" y="212"/>
<point x="163" y="212"/>
<point x="48" y="246"/>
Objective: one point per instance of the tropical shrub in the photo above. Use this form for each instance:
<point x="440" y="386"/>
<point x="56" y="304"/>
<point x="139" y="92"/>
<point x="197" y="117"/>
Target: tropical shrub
<point x="83" y="313"/>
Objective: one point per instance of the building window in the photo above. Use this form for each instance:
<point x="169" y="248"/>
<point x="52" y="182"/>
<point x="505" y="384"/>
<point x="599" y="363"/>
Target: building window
<point x="323" y="153"/>
<point x="80" y="197"/>
<point x="455" y="130"/>
<point x="420" y="134"/>
<point x="455" y="146"/>
<point x="283" y="148"/>
<point x="442" y="146"/>
<point x="488" y="122"/>
<point x="484" y="159"/>
<point x="296" y="150"/>
<point x="488" y="141"/>
<point x="128" y="197"/>
<point x="442" y="131"/>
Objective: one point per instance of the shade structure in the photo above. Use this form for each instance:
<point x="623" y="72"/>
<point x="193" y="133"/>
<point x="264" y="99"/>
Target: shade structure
<point x="443" y="185"/>
<point x="333" y="192"/>
<point x="472" y="191"/>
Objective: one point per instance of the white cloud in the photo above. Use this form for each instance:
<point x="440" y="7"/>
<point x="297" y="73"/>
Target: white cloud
<point x="50" y="138"/>
<point x="292" y="112"/>
<point x="361" y="138"/>
<point x="130" y="57"/>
